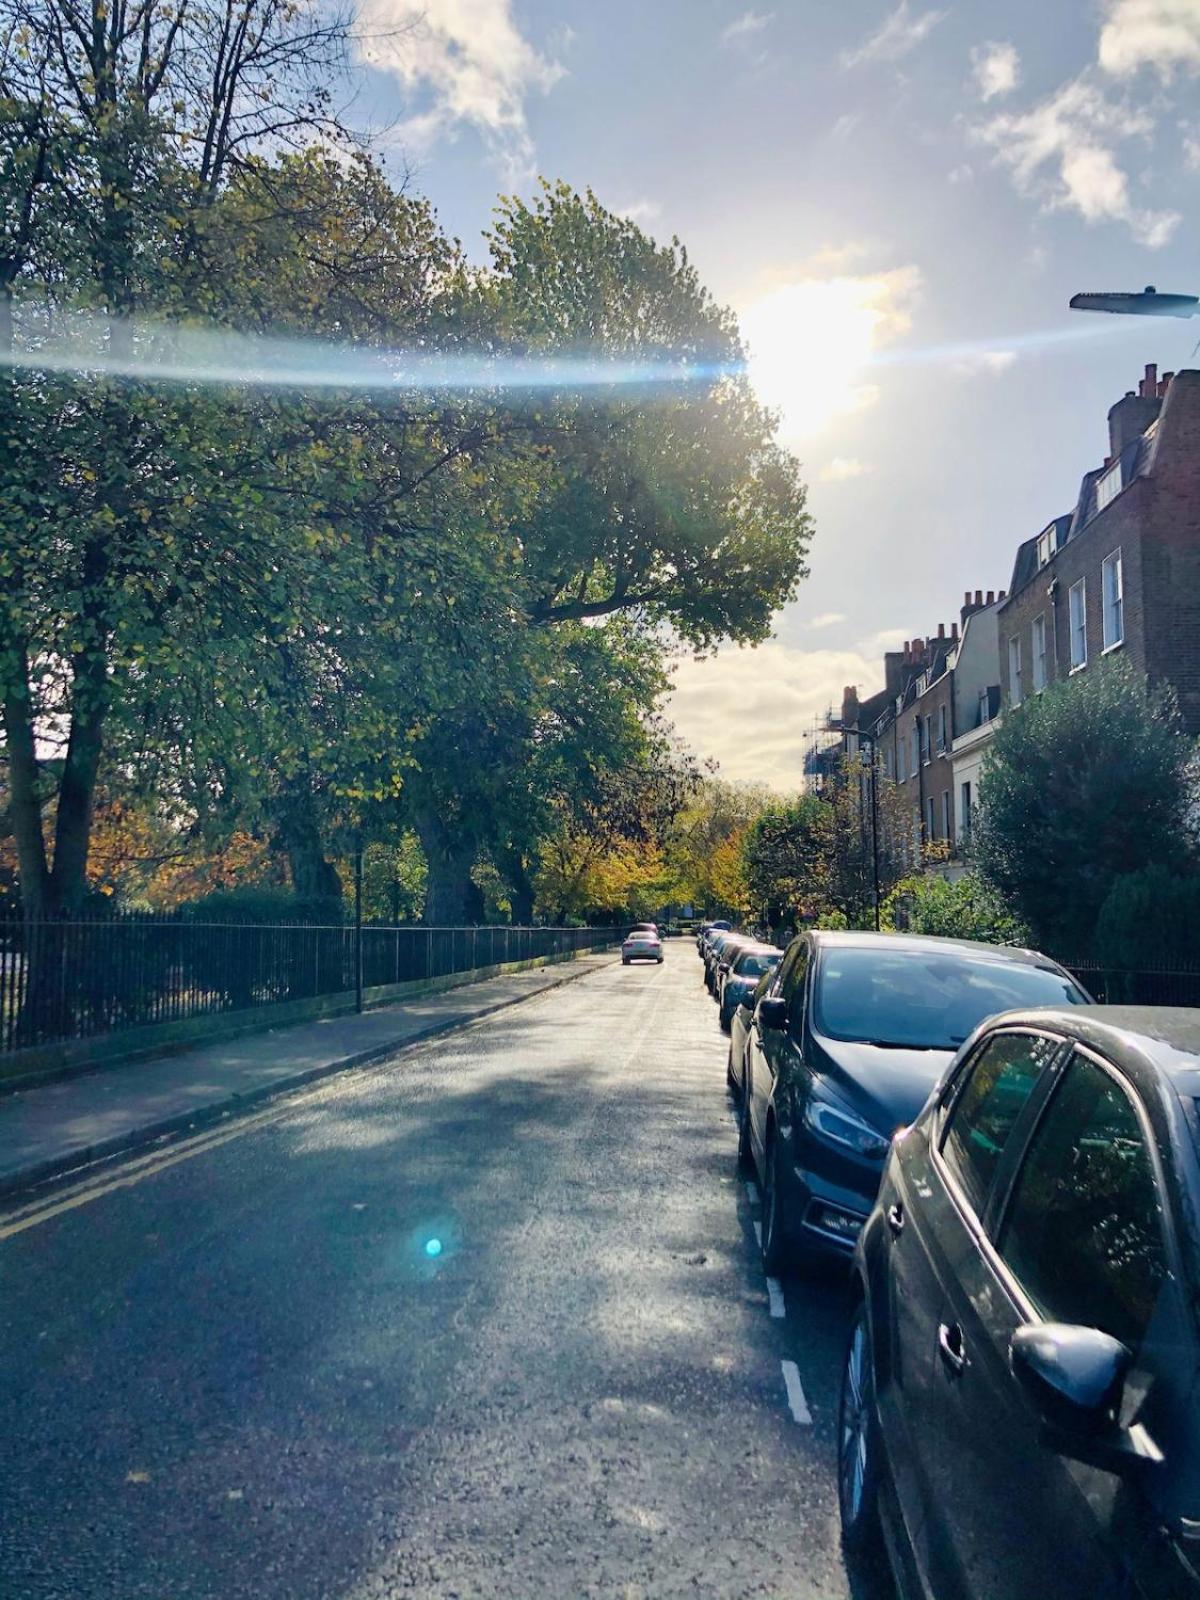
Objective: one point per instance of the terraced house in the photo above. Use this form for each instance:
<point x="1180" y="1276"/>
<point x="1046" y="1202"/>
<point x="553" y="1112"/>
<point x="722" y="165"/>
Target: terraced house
<point x="1121" y="571"/>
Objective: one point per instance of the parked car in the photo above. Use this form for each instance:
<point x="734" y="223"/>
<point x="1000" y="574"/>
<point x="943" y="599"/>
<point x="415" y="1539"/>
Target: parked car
<point x="740" y="977"/>
<point x="721" y="949"/>
<point x="707" y="930"/>
<point x="740" y="1025"/>
<point x="1019" y="1398"/>
<point x="641" y="945"/>
<point x="845" y="1047"/>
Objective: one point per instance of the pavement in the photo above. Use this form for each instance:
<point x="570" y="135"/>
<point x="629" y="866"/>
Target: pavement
<point x="484" y="1321"/>
<point x="55" y="1127"/>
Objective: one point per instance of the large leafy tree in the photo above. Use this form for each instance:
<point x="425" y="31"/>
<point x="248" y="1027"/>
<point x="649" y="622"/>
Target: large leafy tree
<point x="1087" y="782"/>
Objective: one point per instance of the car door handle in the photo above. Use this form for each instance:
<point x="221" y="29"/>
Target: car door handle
<point x="950" y="1347"/>
<point x="895" y="1220"/>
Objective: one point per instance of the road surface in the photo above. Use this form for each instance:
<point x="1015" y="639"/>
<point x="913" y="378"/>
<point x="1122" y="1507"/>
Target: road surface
<point x="485" y="1321"/>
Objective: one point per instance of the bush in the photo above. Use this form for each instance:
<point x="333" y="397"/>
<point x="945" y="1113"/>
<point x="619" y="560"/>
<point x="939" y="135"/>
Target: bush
<point x="1150" y="919"/>
<point x="262" y="904"/>
<point x="1089" y="781"/>
<point x="968" y="908"/>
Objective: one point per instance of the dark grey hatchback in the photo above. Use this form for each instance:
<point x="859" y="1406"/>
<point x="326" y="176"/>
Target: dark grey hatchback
<point x="1021" y="1399"/>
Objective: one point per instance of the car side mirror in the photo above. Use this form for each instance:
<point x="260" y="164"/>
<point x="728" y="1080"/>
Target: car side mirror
<point x="772" y="1013"/>
<point x="723" y="966"/>
<point x="1073" y="1375"/>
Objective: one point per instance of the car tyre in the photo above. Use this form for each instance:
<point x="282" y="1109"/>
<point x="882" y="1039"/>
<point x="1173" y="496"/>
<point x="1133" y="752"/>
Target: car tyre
<point x="745" y="1154"/>
<point x="858" y="1442"/>
<point x="729" y="1078"/>
<point x="624" y="961"/>
<point x="777" y="1254"/>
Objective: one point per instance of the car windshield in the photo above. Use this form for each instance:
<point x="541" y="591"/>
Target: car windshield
<point x="926" y="999"/>
<point x="755" y="962"/>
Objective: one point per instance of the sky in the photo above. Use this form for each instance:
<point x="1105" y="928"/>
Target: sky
<point x="898" y="201"/>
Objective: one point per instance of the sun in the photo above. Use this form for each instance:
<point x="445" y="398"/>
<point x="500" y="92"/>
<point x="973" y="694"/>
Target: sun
<point x="810" y="344"/>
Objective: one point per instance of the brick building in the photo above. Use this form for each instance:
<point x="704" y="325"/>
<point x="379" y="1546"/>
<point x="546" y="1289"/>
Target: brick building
<point x="1121" y="572"/>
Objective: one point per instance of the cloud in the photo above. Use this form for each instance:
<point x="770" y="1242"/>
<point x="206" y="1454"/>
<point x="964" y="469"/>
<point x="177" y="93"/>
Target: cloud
<point x="1062" y="153"/>
<point x="747" y="25"/>
<point x="779" y="691"/>
<point x="1191" y="151"/>
<point x="1163" y="34"/>
<point x="470" y="59"/>
<point x="900" y="33"/>
<point x="827" y="619"/>
<point x="997" y="69"/>
<point x="842" y="468"/>
<point x="640" y="211"/>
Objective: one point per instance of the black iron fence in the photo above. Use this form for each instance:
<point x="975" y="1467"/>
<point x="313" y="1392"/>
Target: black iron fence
<point x="1176" y="984"/>
<point x="63" y="979"/>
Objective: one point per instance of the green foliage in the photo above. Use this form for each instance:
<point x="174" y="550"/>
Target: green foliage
<point x="262" y="904"/>
<point x="786" y="857"/>
<point x="966" y="908"/>
<point x="1085" y="783"/>
<point x="1150" y="919"/>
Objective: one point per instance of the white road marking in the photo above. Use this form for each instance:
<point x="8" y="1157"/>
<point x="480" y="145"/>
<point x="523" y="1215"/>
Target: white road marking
<point x="775" y="1296"/>
<point x="751" y="1193"/>
<point x="795" y="1393"/>
<point x="758" y="1233"/>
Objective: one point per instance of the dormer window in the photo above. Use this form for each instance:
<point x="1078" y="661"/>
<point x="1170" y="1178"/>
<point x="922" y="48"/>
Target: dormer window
<point x="1045" y="547"/>
<point x="1109" y="486"/>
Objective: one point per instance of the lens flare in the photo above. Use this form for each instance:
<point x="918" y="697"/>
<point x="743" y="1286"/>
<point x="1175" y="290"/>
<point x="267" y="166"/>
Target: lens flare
<point x="433" y="1248"/>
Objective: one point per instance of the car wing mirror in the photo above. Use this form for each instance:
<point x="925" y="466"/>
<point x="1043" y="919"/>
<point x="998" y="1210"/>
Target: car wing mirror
<point x="1075" y="1377"/>
<point x="772" y="1013"/>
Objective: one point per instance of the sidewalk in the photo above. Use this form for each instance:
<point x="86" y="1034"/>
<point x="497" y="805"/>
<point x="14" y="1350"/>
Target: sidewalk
<point x="55" y="1127"/>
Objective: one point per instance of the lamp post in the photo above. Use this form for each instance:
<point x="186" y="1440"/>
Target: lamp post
<point x="358" y="948"/>
<point x="867" y="752"/>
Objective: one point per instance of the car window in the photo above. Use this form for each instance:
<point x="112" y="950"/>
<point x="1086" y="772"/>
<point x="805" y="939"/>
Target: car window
<point x="754" y="963"/>
<point x="927" y="998"/>
<point x="792" y="990"/>
<point x="985" y="1109"/>
<point x="1083" y="1230"/>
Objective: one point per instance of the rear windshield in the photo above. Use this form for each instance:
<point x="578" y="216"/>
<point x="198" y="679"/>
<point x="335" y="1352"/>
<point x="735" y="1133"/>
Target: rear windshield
<point x="926" y="999"/>
<point x="634" y="937"/>
<point x="753" y="964"/>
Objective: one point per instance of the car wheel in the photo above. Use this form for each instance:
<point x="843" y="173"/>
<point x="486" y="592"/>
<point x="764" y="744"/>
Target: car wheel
<point x="723" y="1019"/>
<point x="777" y="1255"/>
<point x="729" y="1078"/>
<point x="624" y="961"/>
<point x="858" y="1444"/>
<point x="745" y="1154"/>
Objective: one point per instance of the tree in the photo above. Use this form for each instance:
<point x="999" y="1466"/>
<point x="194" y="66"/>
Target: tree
<point x="968" y="908"/>
<point x="863" y="840"/>
<point x="786" y="859"/>
<point x="713" y="821"/>
<point x="128" y="117"/>
<point x="1086" y="782"/>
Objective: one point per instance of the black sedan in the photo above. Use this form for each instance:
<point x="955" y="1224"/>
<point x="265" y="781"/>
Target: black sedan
<point x="740" y="978"/>
<point x="845" y="1047"/>
<point x="1019" y="1407"/>
<point x="722" y="951"/>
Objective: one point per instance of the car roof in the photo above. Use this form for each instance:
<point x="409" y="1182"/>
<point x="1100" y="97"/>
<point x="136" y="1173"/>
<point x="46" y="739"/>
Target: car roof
<point x="1166" y="1038"/>
<point x="826" y="938"/>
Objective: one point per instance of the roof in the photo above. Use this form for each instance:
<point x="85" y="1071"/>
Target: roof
<point x="908" y="941"/>
<point x="1167" y="1038"/>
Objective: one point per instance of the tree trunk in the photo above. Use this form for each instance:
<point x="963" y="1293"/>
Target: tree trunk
<point x="298" y="834"/>
<point x="519" y="872"/>
<point x="451" y="899"/>
<point x="25" y="805"/>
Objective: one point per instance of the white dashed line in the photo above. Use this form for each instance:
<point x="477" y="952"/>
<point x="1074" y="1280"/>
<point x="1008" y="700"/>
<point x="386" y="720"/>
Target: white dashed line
<point x="758" y="1233"/>
<point x="775" y="1296"/>
<point x="795" y="1393"/>
<point x="751" y="1193"/>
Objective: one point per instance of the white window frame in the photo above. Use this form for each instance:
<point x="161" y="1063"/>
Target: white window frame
<point x="1113" y="562"/>
<point x="943" y="731"/>
<point x="1109" y="486"/>
<point x="946" y="834"/>
<point x="916" y="747"/>
<point x="964" y="809"/>
<point x="1014" y="669"/>
<point x="901" y="765"/>
<point x="1078" y="632"/>
<point x="930" y="820"/>
<point x="923" y="724"/>
<point x="1038" y="631"/>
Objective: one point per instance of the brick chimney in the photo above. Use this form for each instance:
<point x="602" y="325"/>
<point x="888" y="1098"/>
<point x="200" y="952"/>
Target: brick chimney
<point x="893" y="670"/>
<point x="850" y="706"/>
<point x="1134" y="413"/>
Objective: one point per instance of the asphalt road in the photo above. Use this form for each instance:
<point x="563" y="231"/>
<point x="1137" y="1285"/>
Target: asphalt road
<point x="486" y="1321"/>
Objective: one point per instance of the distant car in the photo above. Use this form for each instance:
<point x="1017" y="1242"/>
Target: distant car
<point x="641" y="945"/>
<point x="745" y="970"/>
<point x="1019" y="1395"/>
<point x="722" y="948"/>
<point x="707" y="930"/>
<point x="644" y="927"/>
<point x="845" y="1047"/>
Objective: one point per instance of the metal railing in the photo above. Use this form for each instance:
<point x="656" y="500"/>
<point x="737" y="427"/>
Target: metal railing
<point x="1177" y="984"/>
<point x="76" y="978"/>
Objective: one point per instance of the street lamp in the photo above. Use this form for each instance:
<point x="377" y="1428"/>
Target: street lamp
<point x="1149" y="303"/>
<point x="866" y="749"/>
